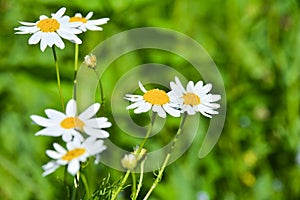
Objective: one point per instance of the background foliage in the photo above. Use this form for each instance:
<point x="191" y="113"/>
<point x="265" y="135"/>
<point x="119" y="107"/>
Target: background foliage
<point x="255" y="45"/>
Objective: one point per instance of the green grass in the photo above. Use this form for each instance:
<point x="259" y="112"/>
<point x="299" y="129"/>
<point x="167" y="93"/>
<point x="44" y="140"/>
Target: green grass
<point x="255" y="45"/>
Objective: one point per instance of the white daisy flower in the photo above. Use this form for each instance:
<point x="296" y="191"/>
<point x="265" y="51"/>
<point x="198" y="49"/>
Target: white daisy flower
<point x="195" y="98"/>
<point x="69" y="125"/>
<point x="88" y="24"/>
<point x="49" y="31"/>
<point x="76" y="152"/>
<point x="155" y="99"/>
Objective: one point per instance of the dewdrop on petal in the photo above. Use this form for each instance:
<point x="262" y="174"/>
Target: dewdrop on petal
<point x="90" y="60"/>
<point x="129" y="161"/>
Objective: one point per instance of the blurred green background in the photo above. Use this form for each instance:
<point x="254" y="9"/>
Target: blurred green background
<point x="255" y="45"/>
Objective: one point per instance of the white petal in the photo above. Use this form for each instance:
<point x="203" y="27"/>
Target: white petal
<point x="59" y="13"/>
<point x="49" y="168"/>
<point x="93" y="27"/>
<point x="58" y="41"/>
<point x="160" y="111"/>
<point x="198" y="86"/>
<point x="190" y="87"/>
<point x="98" y="21"/>
<point x="190" y="110"/>
<point x="59" y="149"/>
<point x="89" y="15"/>
<point x="133" y="98"/>
<point x="28" y="23"/>
<point x="173" y="112"/>
<point x="54" y="114"/>
<point x="98" y="123"/>
<point x="53" y="154"/>
<point x="35" y="38"/>
<point x="179" y="85"/>
<point x="96" y="132"/>
<point x="67" y="136"/>
<point x="71" y="109"/>
<point x="49" y="131"/>
<point x="135" y="105"/>
<point x="73" y="166"/>
<point x="142" y="87"/>
<point x="42" y="121"/>
<point x="90" y="111"/>
<point x="145" y="107"/>
<point x="205" y="89"/>
<point x="43" y="43"/>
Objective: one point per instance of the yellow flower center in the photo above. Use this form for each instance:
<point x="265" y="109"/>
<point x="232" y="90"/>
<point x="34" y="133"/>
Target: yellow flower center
<point x="156" y="97"/>
<point x="48" y="25"/>
<point x="78" y="19"/>
<point x="191" y="99"/>
<point x="72" y="122"/>
<point x="75" y="153"/>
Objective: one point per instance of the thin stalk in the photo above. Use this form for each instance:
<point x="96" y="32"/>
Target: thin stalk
<point x="86" y="186"/>
<point x="100" y="87"/>
<point x="133" y="185"/>
<point x="75" y="70"/>
<point x="148" y="132"/>
<point x="115" y="194"/>
<point x="76" y="186"/>
<point x="160" y="173"/>
<point x="58" y="78"/>
<point x="140" y="180"/>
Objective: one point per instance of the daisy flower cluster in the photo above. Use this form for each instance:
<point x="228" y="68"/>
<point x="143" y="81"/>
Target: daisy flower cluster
<point x="49" y="31"/>
<point x="82" y="133"/>
<point x="192" y="99"/>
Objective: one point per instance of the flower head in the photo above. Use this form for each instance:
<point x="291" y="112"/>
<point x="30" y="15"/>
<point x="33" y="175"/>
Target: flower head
<point x="155" y="99"/>
<point x="49" y="31"/>
<point x="129" y="161"/>
<point x="76" y="152"/>
<point x="69" y="124"/>
<point x="88" y="24"/>
<point x="90" y="60"/>
<point x="195" y="98"/>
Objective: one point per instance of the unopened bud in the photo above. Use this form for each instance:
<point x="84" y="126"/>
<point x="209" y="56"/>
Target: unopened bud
<point x="129" y="161"/>
<point x="90" y="60"/>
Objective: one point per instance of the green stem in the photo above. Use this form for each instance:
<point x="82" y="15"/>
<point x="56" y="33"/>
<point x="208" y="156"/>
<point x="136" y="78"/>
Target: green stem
<point x="160" y="173"/>
<point x="115" y="194"/>
<point x="86" y="186"/>
<point x="58" y="78"/>
<point x="148" y="132"/>
<point x="75" y="70"/>
<point x="100" y="87"/>
<point x="133" y="186"/>
<point x="140" y="180"/>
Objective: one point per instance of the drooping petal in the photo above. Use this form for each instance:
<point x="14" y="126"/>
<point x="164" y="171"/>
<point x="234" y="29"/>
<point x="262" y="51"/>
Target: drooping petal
<point x="145" y="107"/>
<point x="160" y="111"/>
<point x="73" y="166"/>
<point x="35" y="38"/>
<point x="173" y="112"/>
